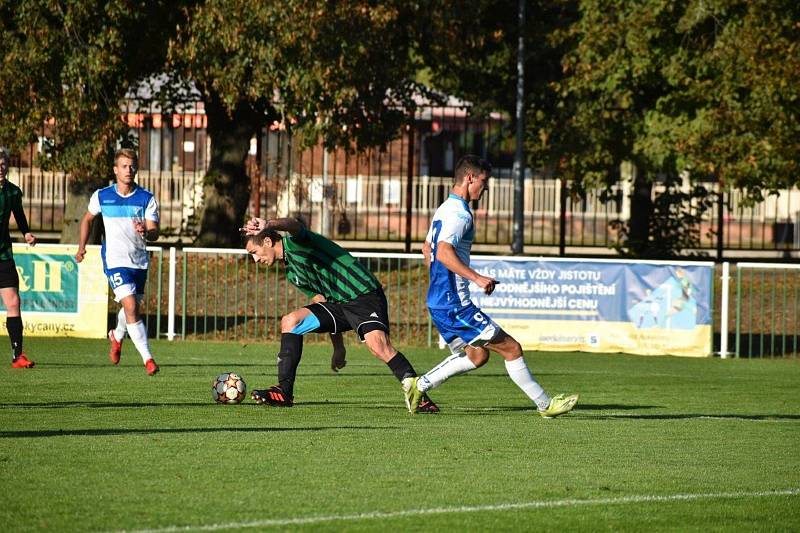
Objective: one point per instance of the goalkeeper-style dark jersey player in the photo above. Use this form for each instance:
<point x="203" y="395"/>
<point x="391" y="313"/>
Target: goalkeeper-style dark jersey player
<point x="346" y="297"/>
<point x="11" y="202"/>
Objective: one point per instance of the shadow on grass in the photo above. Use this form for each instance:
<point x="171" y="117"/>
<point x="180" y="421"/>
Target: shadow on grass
<point x="162" y="431"/>
<point x="99" y="405"/>
<point x="604" y="407"/>
<point x="692" y="416"/>
<point x="498" y="409"/>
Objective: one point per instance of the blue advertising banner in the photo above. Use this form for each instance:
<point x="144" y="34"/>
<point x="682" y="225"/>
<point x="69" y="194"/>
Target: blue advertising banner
<point x="649" y="308"/>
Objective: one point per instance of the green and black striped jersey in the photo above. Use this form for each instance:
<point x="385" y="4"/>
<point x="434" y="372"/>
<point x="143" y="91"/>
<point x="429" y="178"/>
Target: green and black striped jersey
<point x="10" y="202"/>
<point x="317" y="265"/>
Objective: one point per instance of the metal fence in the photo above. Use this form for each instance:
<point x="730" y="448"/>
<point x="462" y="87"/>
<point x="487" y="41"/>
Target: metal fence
<point x="221" y="294"/>
<point x="767" y="309"/>
<point x="387" y="195"/>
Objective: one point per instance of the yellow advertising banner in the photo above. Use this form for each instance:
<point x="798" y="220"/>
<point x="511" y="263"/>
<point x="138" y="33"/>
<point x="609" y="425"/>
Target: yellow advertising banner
<point x="58" y="296"/>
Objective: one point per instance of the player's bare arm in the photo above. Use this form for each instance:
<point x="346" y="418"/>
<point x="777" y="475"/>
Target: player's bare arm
<point x="446" y="255"/>
<point x="256" y="225"/>
<point x="339" y="354"/>
<point x="86" y="226"/>
<point x="426" y="252"/>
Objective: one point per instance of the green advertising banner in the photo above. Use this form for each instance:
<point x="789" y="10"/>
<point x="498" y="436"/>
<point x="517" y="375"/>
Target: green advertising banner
<point x="48" y="282"/>
<point x="59" y="297"/>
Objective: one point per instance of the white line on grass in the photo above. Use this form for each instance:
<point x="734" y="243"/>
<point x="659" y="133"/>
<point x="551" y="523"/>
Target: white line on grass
<point x="540" y="504"/>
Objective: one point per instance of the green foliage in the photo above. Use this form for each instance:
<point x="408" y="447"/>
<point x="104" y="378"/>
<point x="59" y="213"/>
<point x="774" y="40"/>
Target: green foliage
<point x="470" y="49"/>
<point x="66" y="67"/>
<point x="340" y="70"/>
<point x="708" y="88"/>
<point x="674" y="224"/>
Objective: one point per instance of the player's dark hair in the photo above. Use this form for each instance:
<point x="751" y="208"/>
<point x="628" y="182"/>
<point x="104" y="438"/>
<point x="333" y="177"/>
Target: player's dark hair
<point x="471" y="164"/>
<point x="259" y="238"/>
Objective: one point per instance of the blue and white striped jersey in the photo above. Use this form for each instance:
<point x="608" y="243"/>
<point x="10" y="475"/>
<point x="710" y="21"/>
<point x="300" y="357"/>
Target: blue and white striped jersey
<point x="123" y="246"/>
<point x="452" y="223"/>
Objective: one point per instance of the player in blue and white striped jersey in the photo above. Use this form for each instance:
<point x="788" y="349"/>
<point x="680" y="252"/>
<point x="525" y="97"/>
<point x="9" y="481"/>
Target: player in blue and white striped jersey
<point x="130" y="218"/>
<point x="468" y="331"/>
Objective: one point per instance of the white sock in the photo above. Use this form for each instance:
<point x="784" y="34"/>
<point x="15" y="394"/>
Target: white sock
<point x="119" y="331"/>
<point x="519" y="374"/>
<point x="456" y="364"/>
<point x="138" y="335"/>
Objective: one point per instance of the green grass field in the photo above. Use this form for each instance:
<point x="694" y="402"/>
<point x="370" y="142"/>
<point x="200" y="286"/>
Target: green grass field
<point x="655" y="444"/>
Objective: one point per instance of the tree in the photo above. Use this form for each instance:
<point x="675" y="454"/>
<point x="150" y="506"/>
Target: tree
<point x="342" y="71"/>
<point x="704" y="88"/>
<point x="65" y="69"/>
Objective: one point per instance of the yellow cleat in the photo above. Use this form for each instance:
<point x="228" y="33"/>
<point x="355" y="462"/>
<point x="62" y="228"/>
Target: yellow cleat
<point x="559" y="405"/>
<point x="412" y="394"/>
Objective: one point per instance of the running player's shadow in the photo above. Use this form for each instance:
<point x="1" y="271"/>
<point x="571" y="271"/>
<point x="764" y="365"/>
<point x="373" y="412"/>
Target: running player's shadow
<point x="614" y="406"/>
<point x="497" y="409"/>
<point x="690" y="416"/>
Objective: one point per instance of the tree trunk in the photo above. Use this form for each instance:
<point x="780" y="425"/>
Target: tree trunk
<point x="641" y="214"/>
<point x="226" y="186"/>
<point x="77" y="204"/>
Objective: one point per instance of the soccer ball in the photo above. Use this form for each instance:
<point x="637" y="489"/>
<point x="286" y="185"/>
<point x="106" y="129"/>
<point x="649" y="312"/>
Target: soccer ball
<point x="228" y="388"/>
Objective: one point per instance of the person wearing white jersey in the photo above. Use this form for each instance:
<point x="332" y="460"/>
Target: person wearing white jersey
<point x="468" y="331"/>
<point x="130" y="218"/>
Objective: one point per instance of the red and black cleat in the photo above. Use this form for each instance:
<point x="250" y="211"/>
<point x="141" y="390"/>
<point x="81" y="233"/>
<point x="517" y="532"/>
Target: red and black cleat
<point x="272" y="396"/>
<point x="22" y="362"/>
<point x="426" y="406"/>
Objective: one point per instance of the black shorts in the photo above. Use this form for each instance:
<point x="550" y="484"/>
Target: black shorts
<point x="368" y="312"/>
<point x="8" y="274"/>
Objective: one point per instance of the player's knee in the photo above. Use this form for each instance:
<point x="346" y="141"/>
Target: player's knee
<point x="479" y="358"/>
<point x="288" y="322"/>
<point x="514" y="350"/>
<point x="378" y="343"/>
<point x="12" y="303"/>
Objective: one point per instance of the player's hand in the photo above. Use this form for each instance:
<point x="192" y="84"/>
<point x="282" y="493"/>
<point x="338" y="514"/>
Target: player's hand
<point x="79" y="255"/>
<point x="487" y="284"/>
<point x="138" y="225"/>
<point x="254" y="226"/>
<point x="30" y="238"/>
<point x="338" y="359"/>
<point x="318" y="299"/>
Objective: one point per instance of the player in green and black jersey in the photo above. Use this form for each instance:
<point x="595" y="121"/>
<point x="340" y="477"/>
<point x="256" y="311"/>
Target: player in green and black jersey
<point x="11" y="203"/>
<point x="346" y="296"/>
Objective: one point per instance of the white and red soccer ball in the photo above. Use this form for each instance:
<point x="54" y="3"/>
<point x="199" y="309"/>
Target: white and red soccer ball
<point x="228" y="388"/>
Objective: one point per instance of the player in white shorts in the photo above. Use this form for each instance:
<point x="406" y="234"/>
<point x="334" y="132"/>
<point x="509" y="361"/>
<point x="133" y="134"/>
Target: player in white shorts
<point x="466" y="329"/>
<point x="130" y="218"/>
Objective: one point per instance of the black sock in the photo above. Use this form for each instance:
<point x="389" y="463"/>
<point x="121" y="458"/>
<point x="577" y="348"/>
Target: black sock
<point x="14" y="327"/>
<point x="288" y="359"/>
<point x="400" y="367"/>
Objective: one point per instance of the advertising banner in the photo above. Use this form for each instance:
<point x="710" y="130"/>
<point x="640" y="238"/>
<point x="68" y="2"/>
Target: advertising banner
<point x="648" y="308"/>
<point x="59" y="297"/>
